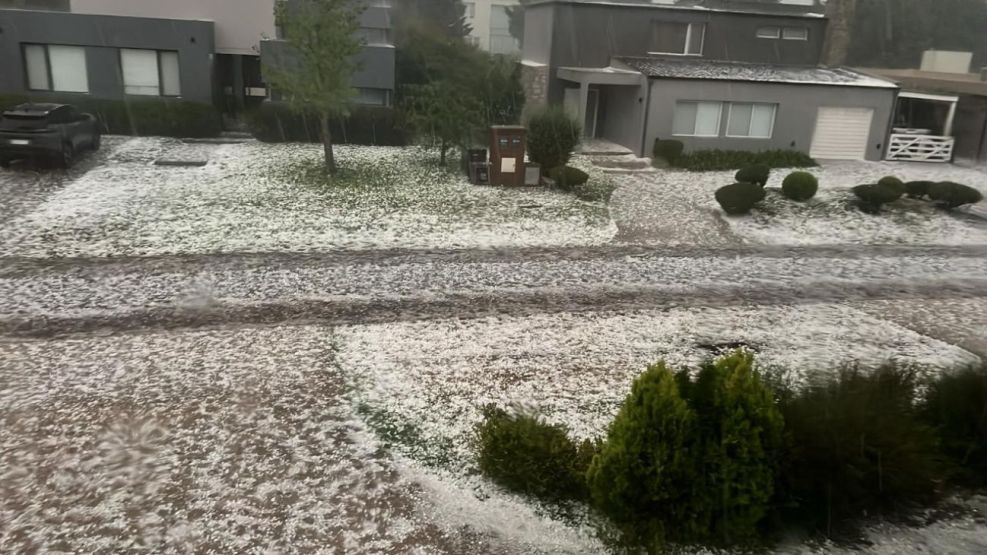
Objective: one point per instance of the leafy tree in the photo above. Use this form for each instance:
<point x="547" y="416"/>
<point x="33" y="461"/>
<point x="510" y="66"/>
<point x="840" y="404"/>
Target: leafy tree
<point x="515" y="19"/>
<point x="442" y="17"/>
<point x="314" y="74"/>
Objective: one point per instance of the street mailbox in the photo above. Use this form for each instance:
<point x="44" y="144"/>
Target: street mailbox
<point x="507" y="147"/>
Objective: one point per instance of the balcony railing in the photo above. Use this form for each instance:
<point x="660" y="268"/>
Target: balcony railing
<point x="920" y="148"/>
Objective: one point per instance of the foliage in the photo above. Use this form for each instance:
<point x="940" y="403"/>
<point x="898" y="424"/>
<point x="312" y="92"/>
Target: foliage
<point x="800" y="186"/>
<point x="739" y="198"/>
<point x="757" y="173"/>
<point x="856" y="446"/>
<point x="917" y="189"/>
<point x="595" y="190"/>
<point x="952" y="195"/>
<point x="668" y="150"/>
<point x="719" y="160"/>
<point x="524" y="454"/>
<point x="445" y="18"/>
<point x="893" y="183"/>
<point x="274" y="122"/>
<point x="956" y="406"/>
<point x="552" y="136"/>
<point x="568" y="177"/>
<point x="313" y="73"/>
<point x="515" y="19"/>
<point x="168" y="117"/>
<point x="873" y="196"/>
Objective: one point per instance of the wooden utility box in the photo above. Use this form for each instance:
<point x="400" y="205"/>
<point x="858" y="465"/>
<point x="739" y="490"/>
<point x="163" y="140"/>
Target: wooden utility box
<point x="507" y="146"/>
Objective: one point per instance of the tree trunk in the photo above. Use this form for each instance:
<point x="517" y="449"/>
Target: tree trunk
<point x="327" y="144"/>
<point x="841" y="15"/>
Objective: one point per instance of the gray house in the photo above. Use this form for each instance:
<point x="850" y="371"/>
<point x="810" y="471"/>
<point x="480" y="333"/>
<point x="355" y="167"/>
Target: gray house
<point x="205" y="51"/>
<point x="741" y="75"/>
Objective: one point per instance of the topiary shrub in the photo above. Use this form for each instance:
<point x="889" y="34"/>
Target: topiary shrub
<point x="552" y="136"/>
<point x="956" y="406"/>
<point x="524" y="454"/>
<point x="739" y="198"/>
<point x="893" y="183"/>
<point x="669" y="150"/>
<point x="642" y="476"/>
<point x="800" y="186"/>
<point x="758" y="173"/>
<point x="917" y="189"/>
<point x="953" y="195"/>
<point x="717" y="160"/>
<point x="873" y="196"/>
<point x="856" y="447"/>
<point x="567" y="177"/>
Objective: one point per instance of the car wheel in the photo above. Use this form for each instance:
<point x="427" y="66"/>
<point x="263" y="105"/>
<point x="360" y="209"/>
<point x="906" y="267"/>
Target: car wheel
<point x="97" y="139"/>
<point x="68" y="155"/>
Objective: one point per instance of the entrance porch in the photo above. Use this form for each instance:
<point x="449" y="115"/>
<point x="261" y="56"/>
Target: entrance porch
<point x="608" y="102"/>
<point x="923" y="128"/>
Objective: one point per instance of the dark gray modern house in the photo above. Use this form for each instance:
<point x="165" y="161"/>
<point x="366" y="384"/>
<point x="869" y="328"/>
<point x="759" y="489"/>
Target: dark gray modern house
<point x="741" y="74"/>
<point x="199" y="50"/>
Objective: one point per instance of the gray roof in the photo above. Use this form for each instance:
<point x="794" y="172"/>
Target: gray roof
<point x="761" y="73"/>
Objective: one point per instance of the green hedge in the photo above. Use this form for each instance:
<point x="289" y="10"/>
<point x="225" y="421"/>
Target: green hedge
<point x="168" y="117"/>
<point x="274" y="122"/>
<point x="721" y="160"/>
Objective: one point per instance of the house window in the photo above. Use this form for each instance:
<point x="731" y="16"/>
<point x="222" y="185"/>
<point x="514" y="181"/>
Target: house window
<point x="795" y="33"/>
<point x="371" y="97"/>
<point x="374" y="35"/>
<point x="52" y="67"/>
<point x="683" y="39"/>
<point x="150" y="72"/>
<point x="697" y="119"/>
<point x="470" y="9"/>
<point x="751" y="120"/>
<point x="769" y="32"/>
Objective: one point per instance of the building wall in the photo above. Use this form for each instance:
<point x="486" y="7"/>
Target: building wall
<point x="488" y="28"/>
<point x="794" y="120"/>
<point x="970" y="128"/>
<point x="239" y="24"/>
<point x="103" y="36"/>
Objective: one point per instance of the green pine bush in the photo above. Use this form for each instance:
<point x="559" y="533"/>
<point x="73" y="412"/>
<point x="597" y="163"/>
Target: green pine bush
<point x="552" y="137"/>
<point x="894" y="183"/>
<point x="757" y="173"/>
<point x="800" y="186"/>
<point x="917" y="189"/>
<point x="739" y="198"/>
<point x="568" y="178"/>
<point x="524" y="454"/>
<point x="873" y="196"/>
<point x="721" y="160"/>
<point x="668" y="149"/>
<point x="956" y="406"/>
<point x="953" y="195"/>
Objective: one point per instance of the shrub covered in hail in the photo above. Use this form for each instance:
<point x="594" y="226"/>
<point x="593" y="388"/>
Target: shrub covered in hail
<point x="893" y="183"/>
<point x="567" y="177"/>
<point x="800" y="186"/>
<point x="757" y="173"/>
<point x="524" y="454"/>
<point x="953" y="195"/>
<point x="739" y="198"/>
<point x="872" y="196"/>
<point x="552" y="136"/>
<point x="956" y="406"/>
<point x="668" y="149"/>
<point x="917" y="189"/>
<point x="598" y="190"/>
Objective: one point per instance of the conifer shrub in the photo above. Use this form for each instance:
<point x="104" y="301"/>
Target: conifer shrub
<point x="568" y="178"/>
<point x="756" y="173"/>
<point x="552" y="136"/>
<point x="894" y="183"/>
<point x="873" y="196"/>
<point x="953" y="195"/>
<point x="668" y="149"/>
<point x="917" y="189"/>
<point x="739" y="198"/>
<point x="800" y="186"/>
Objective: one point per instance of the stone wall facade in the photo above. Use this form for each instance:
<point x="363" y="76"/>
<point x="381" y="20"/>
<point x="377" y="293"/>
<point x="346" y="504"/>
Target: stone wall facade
<point x="534" y="81"/>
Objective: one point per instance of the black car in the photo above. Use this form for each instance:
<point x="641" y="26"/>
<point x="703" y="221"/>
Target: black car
<point x="46" y="131"/>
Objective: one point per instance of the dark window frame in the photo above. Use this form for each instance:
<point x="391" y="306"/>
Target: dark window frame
<point x="689" y="27"/>
<point x="157" y="57"/>
<point x="51" y="78"/>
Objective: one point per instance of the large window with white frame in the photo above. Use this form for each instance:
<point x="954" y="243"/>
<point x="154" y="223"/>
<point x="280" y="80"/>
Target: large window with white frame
<point x="150" y="72"/>
<point x="697" y="118"/>
<point x="681" y="39"/>
<point x="751" y="120"/>
<point x="52" y="67"/>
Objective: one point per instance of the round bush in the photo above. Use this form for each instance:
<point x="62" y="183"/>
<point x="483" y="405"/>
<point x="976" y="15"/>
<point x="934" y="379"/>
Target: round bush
<point x="800" y="186"/>
<point x="567" y="177"/>
<point x="893" y="183"/>
<point x="739" y="198"/>
<point x="527" y="455"/>
<point x="951" y="195"/>
<point x="552" y="136"/>
<point x="757" y="173"/>
<point x="873" y="196"/>
<point x="918" y="189"/>
<point x="668" y="149"/>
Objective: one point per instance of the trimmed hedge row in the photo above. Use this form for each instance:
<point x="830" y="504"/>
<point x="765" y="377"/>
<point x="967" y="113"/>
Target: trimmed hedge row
<point x="720" y="160"/>
<point x="167" y="117"/>
<point x="274" y="122"/>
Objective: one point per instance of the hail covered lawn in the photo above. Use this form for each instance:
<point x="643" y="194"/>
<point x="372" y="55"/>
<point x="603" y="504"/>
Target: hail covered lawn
<point x="831" y="217"/>
<point x="259" y="197"/>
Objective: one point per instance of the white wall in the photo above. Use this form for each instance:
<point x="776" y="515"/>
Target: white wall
<point x="240" y="24"/>
<point x="478" y="15"/>
<point x="945" y="61"/>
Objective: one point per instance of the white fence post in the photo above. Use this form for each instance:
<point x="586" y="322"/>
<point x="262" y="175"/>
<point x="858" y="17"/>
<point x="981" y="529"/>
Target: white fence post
<point x="920" y="148"/>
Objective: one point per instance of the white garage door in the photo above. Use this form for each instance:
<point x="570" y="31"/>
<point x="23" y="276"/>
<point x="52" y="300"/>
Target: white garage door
<point x="841" y="133"/>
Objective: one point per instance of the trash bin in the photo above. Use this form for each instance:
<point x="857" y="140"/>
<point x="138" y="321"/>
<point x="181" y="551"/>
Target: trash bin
<point x="532" y="173"/>
<point x="479" y="173"/>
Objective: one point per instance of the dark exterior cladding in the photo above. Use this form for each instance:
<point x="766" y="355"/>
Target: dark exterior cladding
<point x="102" y="37"/>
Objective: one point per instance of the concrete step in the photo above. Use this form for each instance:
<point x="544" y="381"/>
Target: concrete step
<point x="628" y="170"/>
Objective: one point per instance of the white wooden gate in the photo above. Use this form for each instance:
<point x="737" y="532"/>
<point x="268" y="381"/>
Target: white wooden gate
<point x="920" y="148"/>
